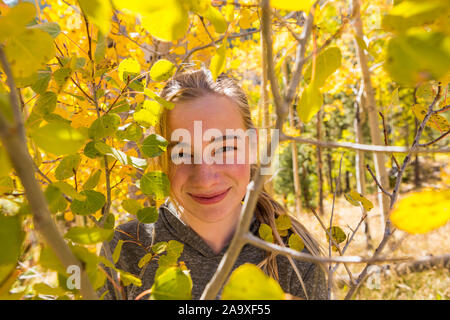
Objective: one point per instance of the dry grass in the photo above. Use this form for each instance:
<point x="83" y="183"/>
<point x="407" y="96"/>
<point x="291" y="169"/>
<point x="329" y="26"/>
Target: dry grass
<point x="431" y="284"/>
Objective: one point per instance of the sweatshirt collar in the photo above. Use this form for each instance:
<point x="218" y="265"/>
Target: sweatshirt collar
<point x="179" y="229"/>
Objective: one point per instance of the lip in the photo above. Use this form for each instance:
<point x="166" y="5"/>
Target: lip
<point x="211" y="198"/>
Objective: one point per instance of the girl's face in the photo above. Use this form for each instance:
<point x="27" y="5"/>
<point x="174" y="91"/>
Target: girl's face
<point x="208" y="192"/>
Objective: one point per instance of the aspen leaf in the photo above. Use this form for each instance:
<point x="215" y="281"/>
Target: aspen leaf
<point x="131" y="206"/>
<point x="421" y="212"/>
<point x="147" y="215"/>
<point x="419" y="57"/>
<point x="94" y="201"/>
<point x="42" y="81"/>
<point x="293" y="5"/>
<point x="128" y="69"/>
<point x="162" y="70"/>
<point x="166" y="104"/>
<point x="310" y="103"/>
<point x="99" y="12"/>
<point x="52" y="28"/>
<point x="295" y="242"/>
<point x="155" y="183"/>
<point x="248" y="282"/>
<point x="85" y="235"/>
<point x="436" y="121"/>
<point x="166" y="20"/>
<point x="132" y="132"/>
<point x="172" y="284"/>
<point x="327" y="62"/>
<point x="11" y="237"/>
<point x="58" y="138"/>
<point x="154" y="145"/>
<point x="337" y="234"/>
<point x="104" y="126"/>
<point x="117" y="251"/>
<point x="197" y="6"/>
<point x="356" y="198"/>
<point x="218" y="61"/>
<point x="92" y="181"/>
<point x="216" y="18"/>
<point x="16" y="19"/>
<point x="265" y="232"/>
<point x="28" y="51"/>
<point x="283" y="222"/>
<point x="68" y="190"/>
<point x="145" y="260"/>
<point x="67" y="166"/>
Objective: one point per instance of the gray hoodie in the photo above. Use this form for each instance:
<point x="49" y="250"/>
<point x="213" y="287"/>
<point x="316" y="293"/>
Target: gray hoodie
<point x="199" y="258"/>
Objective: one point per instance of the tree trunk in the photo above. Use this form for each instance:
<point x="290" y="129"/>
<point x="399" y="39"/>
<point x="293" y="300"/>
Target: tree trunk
<point x="319" y="163"/>
<point x="360" y="171"/>
<point x="379" y="158"/>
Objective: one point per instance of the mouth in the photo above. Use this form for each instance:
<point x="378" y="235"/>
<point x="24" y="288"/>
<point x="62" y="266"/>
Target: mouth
<point x="210" y="198"/>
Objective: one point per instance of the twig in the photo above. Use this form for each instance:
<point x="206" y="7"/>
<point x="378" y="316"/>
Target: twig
<point x="435" y="140"/>
<point x="386" y="137"/>
<point x="376" y="181"/>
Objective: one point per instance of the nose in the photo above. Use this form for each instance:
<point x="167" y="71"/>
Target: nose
<point x="204" y="176"/>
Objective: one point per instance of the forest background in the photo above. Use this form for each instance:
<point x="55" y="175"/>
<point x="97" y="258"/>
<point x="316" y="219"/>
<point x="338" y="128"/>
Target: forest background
<point x="357" y="88"/>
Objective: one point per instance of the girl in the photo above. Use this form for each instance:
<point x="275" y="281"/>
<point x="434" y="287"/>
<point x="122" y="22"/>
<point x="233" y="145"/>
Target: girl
<point x="206" y="196"/>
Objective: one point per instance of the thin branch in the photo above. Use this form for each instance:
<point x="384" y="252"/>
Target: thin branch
<point x="435" y="140"/>
<point x="378" y="183"/>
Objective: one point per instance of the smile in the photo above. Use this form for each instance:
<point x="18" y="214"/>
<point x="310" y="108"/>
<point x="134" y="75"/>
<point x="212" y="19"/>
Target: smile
<point x="210" y="199"/>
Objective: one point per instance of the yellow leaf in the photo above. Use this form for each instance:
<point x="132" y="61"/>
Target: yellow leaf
<point x="218" y="61"/>
<point x="28" y="51"/>
<point x="422" y="212"/>
<point x="99" y="12"/>
<point x="355" y="198"/>
<point x="293" y="5"/>
<point x="436" y="121"/>
<point x="15" y="20"/>
<point x="129" y="68"/>
<point x="162" y="70"/>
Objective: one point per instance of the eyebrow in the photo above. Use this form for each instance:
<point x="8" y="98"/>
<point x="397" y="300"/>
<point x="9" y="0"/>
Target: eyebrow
<point x="219" y="139"/>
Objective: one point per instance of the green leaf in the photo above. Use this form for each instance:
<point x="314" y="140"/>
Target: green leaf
<point x="129" y="69"/>
<point x="310" y="103"/>
<point x="62" y="75"/>
<point x="99" y="12"/>
<point x="147" y="215"/>
<point x="216" y="18"/>
<point x="166" y="104"/>
<point x="52" y="28"/>
<point x="43" y="79"/>
<point x="265" y="232"/>
<point x="128" y="278"/>
<point x="131" y="206"/>
<point x="11" y="238"/>
<point x="172" y="284"/>
<point x="67" y="167"/>
<point x="145" y="260"/>
<point x="416" y="58"/>
<point x="100" y="48"/>
<point x="94" y="202"/>
<point x="5" y="163"/>
<point x="162" y="70"/>
<point x="85" y="235"/>
<point x="248" y="282"/>
<point x="49" y="260"/>
<point x="159" y="247"/>
<point x="90" y="151"/>
<point x="104" y="126"/>
<point x="327" y="62"/>
<point x="174" y="249"/>
<point x="155" y="183"/>
<point x="56" y="201"/>
<point x="117" y="251"/>
<point x="295" y="242"/>
<point x="154" y="145"/>
<point x="92" y="181"/>
<point x="58" y="138"/>
<point x="218" y="61"/>
<point x="120" y="156"/>
<point x="28" y="51"/>
<point x="68" y="190"/>
<point x="132" y="132"/>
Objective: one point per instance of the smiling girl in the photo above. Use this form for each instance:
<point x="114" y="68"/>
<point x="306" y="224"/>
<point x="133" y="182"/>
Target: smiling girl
<point x="206" y="197"/>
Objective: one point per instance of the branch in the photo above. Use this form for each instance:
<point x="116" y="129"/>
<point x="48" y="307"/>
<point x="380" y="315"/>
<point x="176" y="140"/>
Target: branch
<point x="435" y="140"/>
<point x="378" y="183"/>
<point x="362" y="147"/>
<point x="15" y="144"/>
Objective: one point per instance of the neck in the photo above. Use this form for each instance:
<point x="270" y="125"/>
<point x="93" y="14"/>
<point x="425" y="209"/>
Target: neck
<point x="216" y="234"/>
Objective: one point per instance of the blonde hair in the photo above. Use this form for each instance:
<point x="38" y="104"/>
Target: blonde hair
<point x="194" y="84"/>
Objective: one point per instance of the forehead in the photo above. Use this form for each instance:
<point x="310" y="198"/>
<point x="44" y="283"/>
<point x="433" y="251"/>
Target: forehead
<point x="213" y="111"/>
